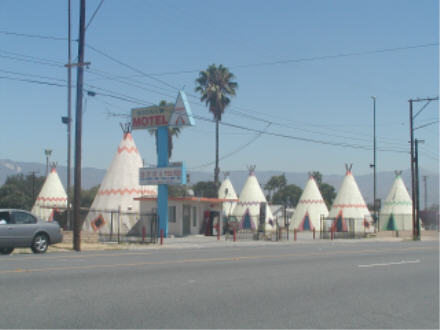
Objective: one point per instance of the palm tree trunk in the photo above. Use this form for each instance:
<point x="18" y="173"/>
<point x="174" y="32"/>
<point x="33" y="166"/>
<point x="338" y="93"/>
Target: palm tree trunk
<point x="216" y="170"/>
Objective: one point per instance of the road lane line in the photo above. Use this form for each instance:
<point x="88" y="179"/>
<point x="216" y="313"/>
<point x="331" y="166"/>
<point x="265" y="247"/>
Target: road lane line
<point x="402" y="262"/>
<point x="200" y="260"/>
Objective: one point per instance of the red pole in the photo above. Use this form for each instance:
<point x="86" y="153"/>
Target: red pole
<point x="294" y="234"/>
<point x="143" y="234"/>
<point x="332" y="233"/>
<point x="161" y="237"/>
<point x="218" y="230"/>
<point x="314" y="231"/>
<point x="235" y="234"/>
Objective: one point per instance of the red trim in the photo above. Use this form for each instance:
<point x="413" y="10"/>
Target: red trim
<point x="128" y="136"/>
<point x="301" y="225"/>
<point x="125" y="191"/>
<point x="94" y="221"/>
<point x="311" y="201"/>
<point x="350" y="205"/>
<point x="52" y="199"/>
<point x="344" y="224"/>
<point x="190" y="199"/>
<point x="129" y="150"/>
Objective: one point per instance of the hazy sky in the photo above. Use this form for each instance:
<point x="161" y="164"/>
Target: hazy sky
<point x="305" y="69"/>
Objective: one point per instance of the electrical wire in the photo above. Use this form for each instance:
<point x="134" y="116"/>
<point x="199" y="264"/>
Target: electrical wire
<point x="233" y="152"/>
<point x="94" y="14"/>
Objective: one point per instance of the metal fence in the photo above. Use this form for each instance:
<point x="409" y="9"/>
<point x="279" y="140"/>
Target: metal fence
<point x="395" y="222"/>
<point x="347" y="228"/>
<point x="117" y="225"/>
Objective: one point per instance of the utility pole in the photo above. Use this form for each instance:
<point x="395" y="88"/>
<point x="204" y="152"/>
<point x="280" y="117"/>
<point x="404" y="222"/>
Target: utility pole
<point x="426" y="192"/>
<point x="416" y="165"/>
<point x="78" y="131"/>
<point x="414" y="187"/>
<point x="374" y="164"/>
<point x="68" y="120"/>
<point x="412" y="168"/>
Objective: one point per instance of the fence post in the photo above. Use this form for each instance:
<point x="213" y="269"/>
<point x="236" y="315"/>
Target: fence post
<point x="332" y="233"/>
<point x="294" y="234"/>
<point x="314" y="232"/>
<point x="119" y="223"/>
<point x="143" y="234"/>
<point x="161" y="237"/>
<point x="235" y="234"/>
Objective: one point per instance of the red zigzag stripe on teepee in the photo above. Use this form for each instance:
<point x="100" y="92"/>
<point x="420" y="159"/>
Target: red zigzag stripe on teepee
<point x="132" y="149"/>
<point x="311" y="201"/>
<point x="350" y="205"/>
<point x="249" y="203"/>
<point x="52" y="199"/>
<point x="121" y="191"/>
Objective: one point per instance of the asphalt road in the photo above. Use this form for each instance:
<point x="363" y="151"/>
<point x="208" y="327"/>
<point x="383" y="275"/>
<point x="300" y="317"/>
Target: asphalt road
<point x="325" y="285"/>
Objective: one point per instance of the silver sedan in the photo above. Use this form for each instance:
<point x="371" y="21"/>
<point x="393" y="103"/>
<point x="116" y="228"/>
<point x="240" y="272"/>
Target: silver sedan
<point x="20" y="228"/>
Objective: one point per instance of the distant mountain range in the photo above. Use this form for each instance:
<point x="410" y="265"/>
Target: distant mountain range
<point x="92" y="177"/>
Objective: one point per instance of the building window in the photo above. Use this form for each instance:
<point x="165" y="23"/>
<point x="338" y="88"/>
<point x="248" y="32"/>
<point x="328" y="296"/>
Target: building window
<point x="172" y="214"/>
<point x="194" y="216"/>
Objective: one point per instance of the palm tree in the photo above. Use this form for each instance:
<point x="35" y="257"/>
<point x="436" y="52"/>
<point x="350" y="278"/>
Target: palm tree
<point x="175" y="131"/>
<point x="215" y="85"/>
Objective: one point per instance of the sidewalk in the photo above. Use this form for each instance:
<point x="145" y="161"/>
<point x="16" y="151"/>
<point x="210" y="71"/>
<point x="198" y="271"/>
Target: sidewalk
<point x="200" y="241"/>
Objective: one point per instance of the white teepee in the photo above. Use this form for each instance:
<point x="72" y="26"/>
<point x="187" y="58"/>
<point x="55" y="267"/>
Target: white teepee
<point x="396" y="212"/>
<point x="51" y="198"/>
<point x="117" y="192"/>
<point x="310" y="209"/>
<point x="349" y="203"/>
<point x="247" y="210"/>
<point x="227" y="191"/>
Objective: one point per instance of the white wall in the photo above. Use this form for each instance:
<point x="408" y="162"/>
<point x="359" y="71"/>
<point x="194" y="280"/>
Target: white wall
<point x="176" y="228"/>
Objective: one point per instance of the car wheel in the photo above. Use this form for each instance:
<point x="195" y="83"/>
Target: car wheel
<point x="40" y="243"/>
<point x="6" y="250"/>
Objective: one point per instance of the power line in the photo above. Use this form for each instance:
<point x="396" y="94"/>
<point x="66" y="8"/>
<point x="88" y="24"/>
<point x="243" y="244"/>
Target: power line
<point x="34" y="81"/>
<point x="94" y="14"/>
<point x="252" y="140"/>
<point x="339" y="144"/>
<point x="130" y="67"/>
<point x="308" y="59"/>
<point x="35" y="36"/>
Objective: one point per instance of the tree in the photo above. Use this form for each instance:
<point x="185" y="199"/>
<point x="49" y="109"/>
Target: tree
<point x="328" y="192"/>
<point x="287" y="195"/>
<point x="20" y="191"/>
<point x="205" y="189"/>
<point x="172" y="131"/>
<point x="215" y="84"/>
<point x="177" y="191"/>
<point x="274" y="184"/>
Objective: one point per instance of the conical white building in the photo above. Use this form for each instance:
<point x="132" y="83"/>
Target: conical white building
<point x="227" y="191"/>
<point x="310" y="209"/>
<point x="349" y="204"/>
<point x="52" y="197"/>
<point x="396" y="212"/>
<point x="117" y="192"/>
<point x="247" y="210"/>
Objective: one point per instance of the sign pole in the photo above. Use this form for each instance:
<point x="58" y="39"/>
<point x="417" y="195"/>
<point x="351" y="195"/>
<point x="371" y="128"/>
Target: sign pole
<point x="162" y="197"/>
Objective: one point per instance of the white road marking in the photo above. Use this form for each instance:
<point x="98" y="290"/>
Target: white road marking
<point x="402" y="262"/>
